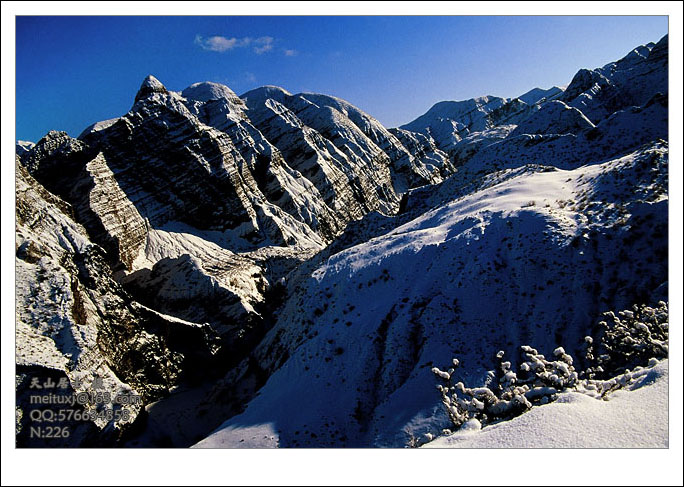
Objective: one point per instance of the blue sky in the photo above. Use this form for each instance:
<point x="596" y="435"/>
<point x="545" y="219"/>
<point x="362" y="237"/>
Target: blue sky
<point x="73" y="71"/>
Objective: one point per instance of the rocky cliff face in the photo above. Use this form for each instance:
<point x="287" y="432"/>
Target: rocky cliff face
<point x="201" y="174"/>
<point x="77" y="328"/>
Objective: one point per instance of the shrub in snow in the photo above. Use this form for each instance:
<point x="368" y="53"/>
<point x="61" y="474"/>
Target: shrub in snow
<point x="626" y="340"/>
<point x="507" y="393"/>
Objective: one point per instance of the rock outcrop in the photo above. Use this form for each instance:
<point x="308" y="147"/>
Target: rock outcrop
<point x="80" y="333"/>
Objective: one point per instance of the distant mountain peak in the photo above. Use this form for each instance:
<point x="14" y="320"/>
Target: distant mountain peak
<point x="537" y="94"/>
<point x="208" y="90"/>
<point x="264" y="92"/>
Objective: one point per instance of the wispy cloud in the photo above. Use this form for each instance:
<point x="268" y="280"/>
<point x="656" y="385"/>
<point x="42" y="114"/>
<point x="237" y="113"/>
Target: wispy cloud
<point x="290" y="52"/>
<point x="263" y="44"/>
<point x="216" y="43"/>
<point x="259" y="45"/>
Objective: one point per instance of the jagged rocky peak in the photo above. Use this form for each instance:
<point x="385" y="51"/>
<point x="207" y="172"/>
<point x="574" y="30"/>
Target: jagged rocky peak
<point x="214" y="104"/>
<point x="583" y="80"/>
<point x="52" y="153"/>
<point x="348" y="164"/>
<point x="467" y="114"/>
<point x="203" y="165"/>
<point x="52" y="137"/>
<point x="360" y="118"/>
<point x="660" y="49"/>
<point x="637" y="54"/>
<point x="449" y="122"/>
<point x="149" y="86"/>
<point x="55" y="155"/>
<point x="630" y="81"/>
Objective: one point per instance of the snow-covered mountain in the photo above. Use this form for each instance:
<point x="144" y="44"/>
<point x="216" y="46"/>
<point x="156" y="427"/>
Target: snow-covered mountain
<point x="631" y="81"/>
<point x="199" y="213"/>
<point x="448" y="122"/>
<point x="461" y="128"/>
<point x="23" y="146"/>
<point x="320" y="264"/>
<point x="517" y="247"/>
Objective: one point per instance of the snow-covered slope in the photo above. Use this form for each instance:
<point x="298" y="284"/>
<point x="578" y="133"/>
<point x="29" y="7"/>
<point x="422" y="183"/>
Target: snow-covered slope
<point x="568" y="146"/>
<point x="555" y="117"/>
<point x="634" y="417"/>
<point x="207" y="91"/>
<point x="528" y="260"/>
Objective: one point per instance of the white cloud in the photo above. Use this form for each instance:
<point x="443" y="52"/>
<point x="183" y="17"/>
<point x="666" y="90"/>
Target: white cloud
<point x="260" y="45"/>
<point x="290" y="52"/>
<point x="216" y="43"/>
<point x="263" y="44"/>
